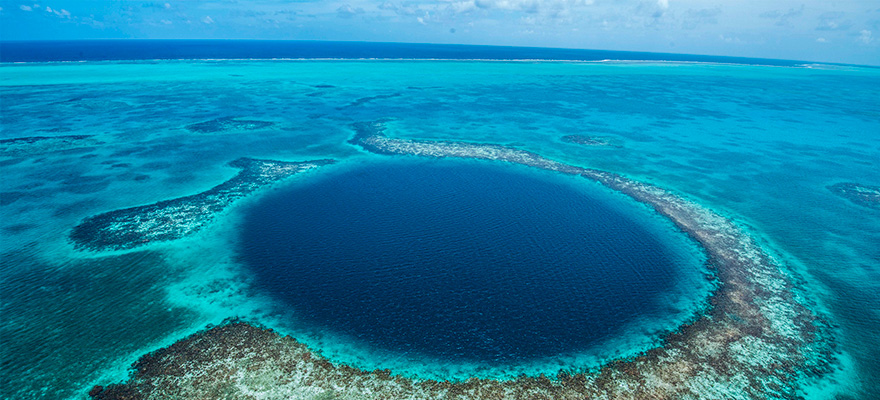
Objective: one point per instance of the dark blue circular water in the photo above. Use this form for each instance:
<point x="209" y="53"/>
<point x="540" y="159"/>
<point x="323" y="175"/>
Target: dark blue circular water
<point x="457" y="260"/>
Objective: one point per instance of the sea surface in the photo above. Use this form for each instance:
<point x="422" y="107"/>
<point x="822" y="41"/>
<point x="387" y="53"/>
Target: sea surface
<point x="468" y="262"/>
<point x="380" y="249"/>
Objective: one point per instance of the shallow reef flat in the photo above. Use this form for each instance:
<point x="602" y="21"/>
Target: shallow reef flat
<point x="863" y="195"/>
<point x="31" y="145"/>
<point x="758" y="339"/>
<point x="176" y="218"/>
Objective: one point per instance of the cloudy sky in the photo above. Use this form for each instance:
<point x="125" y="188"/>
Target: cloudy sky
<point x="845" y="31"/>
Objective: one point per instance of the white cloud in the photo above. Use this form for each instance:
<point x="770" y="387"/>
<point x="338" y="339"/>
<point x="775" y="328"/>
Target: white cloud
<point x="693" y="19"/>
<point x="822" y="40"/>
<point x="167" y="6"/>
<point x="784" y="18"/>
<point x="865" y="36"/>
<point x="347" y="11"/>
<point x="648" y="12"/>
<point x="421" y="20"/>
<point x="731" y="39"/>
<point x="61" y="13"/>
<point x="402" y="9"/>
<point x="833" y="21"/>
<point x="166" y="22"/>
<point x="25" y="8"/>
<point x="462" y="7"/>
<point x="533" y="6"/>
<point x="208" y="20"/>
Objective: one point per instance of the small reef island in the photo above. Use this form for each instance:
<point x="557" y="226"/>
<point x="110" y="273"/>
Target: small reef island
<point x="758" y="338"/>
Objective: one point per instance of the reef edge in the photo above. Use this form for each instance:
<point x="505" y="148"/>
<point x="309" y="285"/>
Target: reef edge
<point x="172" y="219"/>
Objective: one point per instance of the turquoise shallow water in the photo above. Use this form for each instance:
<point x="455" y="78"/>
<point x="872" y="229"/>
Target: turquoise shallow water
<point x="759" y="144"/>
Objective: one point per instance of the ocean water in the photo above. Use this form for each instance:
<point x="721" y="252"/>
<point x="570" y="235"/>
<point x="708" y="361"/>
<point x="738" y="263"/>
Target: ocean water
<point x="760" y="144"/>
<point x="102" y="50"/>
<point x="468" y="261"/>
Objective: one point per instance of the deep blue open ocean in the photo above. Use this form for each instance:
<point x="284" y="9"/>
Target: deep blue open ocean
<point x="100" y="50"/>
<point x="437" y="268"/>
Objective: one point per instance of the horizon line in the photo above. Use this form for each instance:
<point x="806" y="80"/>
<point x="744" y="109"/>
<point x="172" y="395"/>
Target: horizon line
<point x="573" y="49"/>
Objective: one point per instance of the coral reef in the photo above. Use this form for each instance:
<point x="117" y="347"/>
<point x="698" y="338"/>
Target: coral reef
<point x="228" y="124"/>
<point x="863" y="195"/>
<point x="591" y="140"/>
<point x="25" y="146"/>
<point x="173" y="219"/>
<point x="757" y="340"/>
<point x="364" y="100"/>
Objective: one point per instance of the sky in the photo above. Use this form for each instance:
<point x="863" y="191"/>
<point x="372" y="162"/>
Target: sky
<point x="843" y="31"/>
